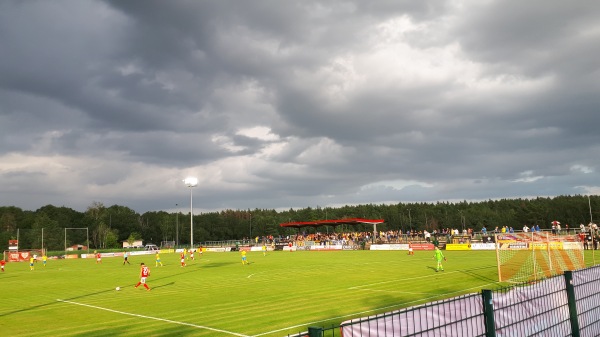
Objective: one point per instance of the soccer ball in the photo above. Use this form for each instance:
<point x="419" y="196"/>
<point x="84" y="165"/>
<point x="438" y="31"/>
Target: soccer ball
<point x="118" y="288"/>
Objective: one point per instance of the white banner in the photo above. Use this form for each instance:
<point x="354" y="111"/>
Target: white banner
<point x="328" y="247"/>
<point x="391" y="246"/>
<point x="219" y="249"/>
<point x="573" y="245"/>
<point x="143" y="252"/>
<point x="259" y="249"/>
<point x="483" y="246"/>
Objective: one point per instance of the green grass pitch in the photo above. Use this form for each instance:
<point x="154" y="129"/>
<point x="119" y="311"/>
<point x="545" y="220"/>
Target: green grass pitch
<point x="275" y="295"/>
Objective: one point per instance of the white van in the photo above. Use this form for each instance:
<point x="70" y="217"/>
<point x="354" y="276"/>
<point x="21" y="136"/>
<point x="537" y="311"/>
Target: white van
<point x="151" y="247"/>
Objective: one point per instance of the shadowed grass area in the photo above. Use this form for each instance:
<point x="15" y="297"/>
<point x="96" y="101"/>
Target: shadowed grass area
<point x="216" y="295"/>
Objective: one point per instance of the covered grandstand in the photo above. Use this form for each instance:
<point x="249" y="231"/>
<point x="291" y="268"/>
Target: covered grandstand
<point x="334" y="223"/>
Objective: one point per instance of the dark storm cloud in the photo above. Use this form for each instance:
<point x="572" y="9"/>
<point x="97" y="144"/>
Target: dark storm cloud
<point x="298" y="103"/>
<point x="530" y="36"/>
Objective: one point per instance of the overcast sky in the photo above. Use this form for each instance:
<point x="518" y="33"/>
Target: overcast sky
<point x="290" y="104"/>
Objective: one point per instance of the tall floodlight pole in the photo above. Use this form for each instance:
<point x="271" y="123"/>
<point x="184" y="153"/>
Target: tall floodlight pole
<point x="191" y="182"/>
<point x="592" y="231"/>
<point x="590" y="206"/>
<point x="176" y="227"/>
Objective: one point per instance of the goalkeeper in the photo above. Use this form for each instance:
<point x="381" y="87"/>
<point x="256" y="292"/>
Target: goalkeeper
<point x="439" y="256"/>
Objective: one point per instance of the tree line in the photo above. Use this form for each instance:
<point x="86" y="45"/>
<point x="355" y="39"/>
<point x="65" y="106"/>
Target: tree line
<point x="109" y="227"/>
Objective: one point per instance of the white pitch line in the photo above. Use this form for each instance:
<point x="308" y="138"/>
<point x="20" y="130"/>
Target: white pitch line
<point x="367" y="311"/>
<point x="155" y="318"/>
<point x="393" y="291"/>
<point x="396" y="280"/>
<point x="409" y="279"/>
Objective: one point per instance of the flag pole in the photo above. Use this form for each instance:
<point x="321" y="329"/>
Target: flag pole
<point x="590" y="206"/>
<point x="592" y="232"/>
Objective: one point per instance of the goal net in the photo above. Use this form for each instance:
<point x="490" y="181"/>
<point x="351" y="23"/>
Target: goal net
<point x="523" y="257"/>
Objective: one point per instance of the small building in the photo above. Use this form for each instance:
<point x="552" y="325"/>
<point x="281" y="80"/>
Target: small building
<point x="77" y="247"/>
<point x="134" y="244"/>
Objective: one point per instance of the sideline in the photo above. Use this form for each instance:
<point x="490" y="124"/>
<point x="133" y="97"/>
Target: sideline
<point x="154" y="318"/>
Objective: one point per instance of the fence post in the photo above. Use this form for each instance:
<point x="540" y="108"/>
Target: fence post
<point x="315" y="331"/>
<point x="488" y="313"/>
<point x="572" y="303"/>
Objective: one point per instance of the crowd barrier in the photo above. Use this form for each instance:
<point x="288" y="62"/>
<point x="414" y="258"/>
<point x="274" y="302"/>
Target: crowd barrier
<point x="565" y="305"/>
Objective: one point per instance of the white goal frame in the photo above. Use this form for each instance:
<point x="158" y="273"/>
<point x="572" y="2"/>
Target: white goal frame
<point x="525" y="257"/>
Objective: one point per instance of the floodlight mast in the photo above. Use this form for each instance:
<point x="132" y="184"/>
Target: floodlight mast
<point x="191" y="182"/>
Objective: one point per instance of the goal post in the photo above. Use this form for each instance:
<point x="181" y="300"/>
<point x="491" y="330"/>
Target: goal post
<point x="524" y="257"/>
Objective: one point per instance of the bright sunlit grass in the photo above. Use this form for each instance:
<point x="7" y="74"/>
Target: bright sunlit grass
<point x="216" y="295"/>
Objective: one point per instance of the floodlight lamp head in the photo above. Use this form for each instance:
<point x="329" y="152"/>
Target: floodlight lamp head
<point x="191" y="181"/>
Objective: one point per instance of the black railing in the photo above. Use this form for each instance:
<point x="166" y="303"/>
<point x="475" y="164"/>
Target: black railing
<point x="565" y="305"/>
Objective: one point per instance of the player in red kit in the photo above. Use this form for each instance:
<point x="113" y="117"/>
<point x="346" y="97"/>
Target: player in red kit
<point x="2" y="263"/>
<point x="182" y="255"/>
<point x="144" y="273"/>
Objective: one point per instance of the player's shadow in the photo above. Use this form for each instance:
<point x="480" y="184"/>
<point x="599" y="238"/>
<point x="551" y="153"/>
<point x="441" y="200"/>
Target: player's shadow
<point x="52" y="303"/>
<point x="432" y="268"/>
<point x="11" y="276"/>
<point x="163" y="285"/>
<point x="473" y="273"/>
<point x="72" y="299"/>
<point x="216" y="265"/>
<point x="190" y="268"/>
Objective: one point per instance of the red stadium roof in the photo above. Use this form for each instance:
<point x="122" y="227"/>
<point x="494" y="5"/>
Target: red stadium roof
<point x="351" y="221"/>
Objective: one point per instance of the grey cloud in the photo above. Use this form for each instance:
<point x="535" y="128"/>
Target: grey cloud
<point x="115" y="100"/>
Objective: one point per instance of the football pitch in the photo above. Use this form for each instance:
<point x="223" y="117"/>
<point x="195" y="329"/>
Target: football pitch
<point x="275" y="295"/>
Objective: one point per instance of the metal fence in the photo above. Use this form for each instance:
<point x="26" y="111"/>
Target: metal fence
<point x="565" y="305"/>
<point x="226" y="243"/>
<point x="586" y="284"/>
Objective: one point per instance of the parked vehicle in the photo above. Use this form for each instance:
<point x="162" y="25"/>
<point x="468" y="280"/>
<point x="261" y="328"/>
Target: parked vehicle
<point x="151" y="246"/>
